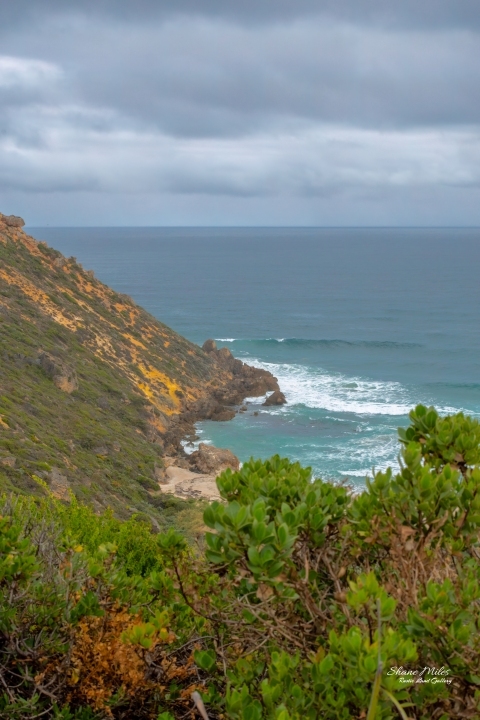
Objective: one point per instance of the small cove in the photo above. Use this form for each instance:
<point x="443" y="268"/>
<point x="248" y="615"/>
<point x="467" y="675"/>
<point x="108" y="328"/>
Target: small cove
<point x="358" y="325"/>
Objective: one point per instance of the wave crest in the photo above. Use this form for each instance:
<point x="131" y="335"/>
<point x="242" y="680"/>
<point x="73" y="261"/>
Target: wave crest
<point x="337" y="393"/>
<point x="322" y="342"/>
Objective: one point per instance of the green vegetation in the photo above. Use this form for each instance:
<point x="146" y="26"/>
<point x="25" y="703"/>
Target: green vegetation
<point x="302" y="604"/>
<point x="103" y="437"/>
<point x="95" y="437"/>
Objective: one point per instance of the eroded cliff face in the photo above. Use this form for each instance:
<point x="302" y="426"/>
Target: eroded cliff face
<point x="101" y="372"/>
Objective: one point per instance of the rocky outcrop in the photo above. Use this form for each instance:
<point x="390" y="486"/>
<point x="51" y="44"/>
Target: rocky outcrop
<point x="209" y="346"/>
<point x="223" y="415"/>
<point x="12" y="221"/>
<point x="238" y="381"/>
<point x="212" y="460"/>
<point x="276" y="398"/>
<point x="63" y="376"/>
<point x="247" y="381"/>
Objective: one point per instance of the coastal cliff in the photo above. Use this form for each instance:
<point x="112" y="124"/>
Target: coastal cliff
<point x="94" y="391"/>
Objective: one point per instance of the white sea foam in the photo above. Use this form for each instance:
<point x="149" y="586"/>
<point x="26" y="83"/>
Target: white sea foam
<point x="225" y="339"/>
<point x="191" y="446"/>
<point x="334" y="392"/>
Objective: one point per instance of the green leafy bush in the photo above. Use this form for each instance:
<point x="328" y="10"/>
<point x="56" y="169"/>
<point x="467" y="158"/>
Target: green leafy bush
<point x="308" y="601"/>
<point x="329" y="587"/>
<point x="85" y="629"/>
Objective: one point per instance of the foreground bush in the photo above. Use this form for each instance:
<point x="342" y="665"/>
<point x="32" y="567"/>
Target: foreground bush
<point x="87" y="634"/>
<point x="309" y="602"/>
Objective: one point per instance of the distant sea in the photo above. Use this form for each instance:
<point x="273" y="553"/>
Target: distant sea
<point x="358" y="325"/>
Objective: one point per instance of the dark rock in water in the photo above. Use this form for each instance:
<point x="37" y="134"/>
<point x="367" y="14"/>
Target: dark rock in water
<point x="211" y="460"/>
<point x="13" y="221"/>
<point x="276" y="398"/>
<point x="223" y="414"/>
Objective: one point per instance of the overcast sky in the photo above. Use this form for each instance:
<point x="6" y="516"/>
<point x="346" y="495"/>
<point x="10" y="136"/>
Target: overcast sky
<point x="240" y="112"/>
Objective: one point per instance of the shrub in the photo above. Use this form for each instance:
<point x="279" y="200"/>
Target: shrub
<point x="81" y="638"/>
<point x="308" y="601"/>
<point x="329" y="587"/>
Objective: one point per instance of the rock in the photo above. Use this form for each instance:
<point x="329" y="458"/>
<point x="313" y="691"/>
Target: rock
<point x="222" y="398"/>
<point x="224" y="356"/>
<point x="63" y="376"/>
<point x="276" y="398"/>
<point x="8" y="461"/>
<point x="223" y="415"/>
<point x="211" y="460"/>
<point x="209" y="346"/>
<point x="256" y="413"/>
<point x="116" y="446"/>
<point x="13" y="221"/>
<point x="59" y="484"/>
<point x="182" y="463"/>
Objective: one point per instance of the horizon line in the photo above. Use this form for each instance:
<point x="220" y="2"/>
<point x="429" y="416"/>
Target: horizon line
<point x="270" y="227"/>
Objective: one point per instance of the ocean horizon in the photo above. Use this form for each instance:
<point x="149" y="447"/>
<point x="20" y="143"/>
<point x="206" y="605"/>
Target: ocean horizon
<point x="358" y="324"/>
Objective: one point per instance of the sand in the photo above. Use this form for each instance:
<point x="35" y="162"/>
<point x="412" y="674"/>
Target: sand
<point x="187" y="484"/>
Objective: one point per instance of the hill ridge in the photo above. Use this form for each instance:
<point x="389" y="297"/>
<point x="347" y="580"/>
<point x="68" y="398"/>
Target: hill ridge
<point x="106" y="366"/>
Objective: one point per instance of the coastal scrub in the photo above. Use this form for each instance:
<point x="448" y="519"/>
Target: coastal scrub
<point x="306" y="600"/>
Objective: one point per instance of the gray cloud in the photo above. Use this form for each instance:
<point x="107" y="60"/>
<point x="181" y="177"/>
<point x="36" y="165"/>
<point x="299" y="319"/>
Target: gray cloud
<point x="407" y="13"/>
<point x="249" y="100"/>
<point x="313" y="161"/>
<point x="198" y="77"/>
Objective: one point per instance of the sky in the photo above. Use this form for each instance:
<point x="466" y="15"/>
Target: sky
<point x="240" y="112"/>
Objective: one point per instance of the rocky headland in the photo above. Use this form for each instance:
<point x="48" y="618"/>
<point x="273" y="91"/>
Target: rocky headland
<point x="96" y="395"/>
<point x="222" y="403"/>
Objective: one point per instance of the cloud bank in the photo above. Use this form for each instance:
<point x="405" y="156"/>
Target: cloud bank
<point x="234" y="115"/>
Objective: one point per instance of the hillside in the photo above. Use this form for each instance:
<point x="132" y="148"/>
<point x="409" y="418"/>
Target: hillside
<point x="94" y="391"/>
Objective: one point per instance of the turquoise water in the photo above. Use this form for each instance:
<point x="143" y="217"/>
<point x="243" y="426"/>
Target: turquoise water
<point x="358" y="325"/>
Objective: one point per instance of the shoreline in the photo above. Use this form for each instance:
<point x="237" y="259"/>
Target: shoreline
<point x="183" y="476"/>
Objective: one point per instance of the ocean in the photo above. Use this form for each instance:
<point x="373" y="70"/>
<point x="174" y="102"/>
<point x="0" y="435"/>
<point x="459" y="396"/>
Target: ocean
<point x="358" y="325"/>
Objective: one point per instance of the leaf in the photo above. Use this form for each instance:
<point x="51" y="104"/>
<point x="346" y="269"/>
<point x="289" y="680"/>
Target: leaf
<point x="205" y="659"/>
